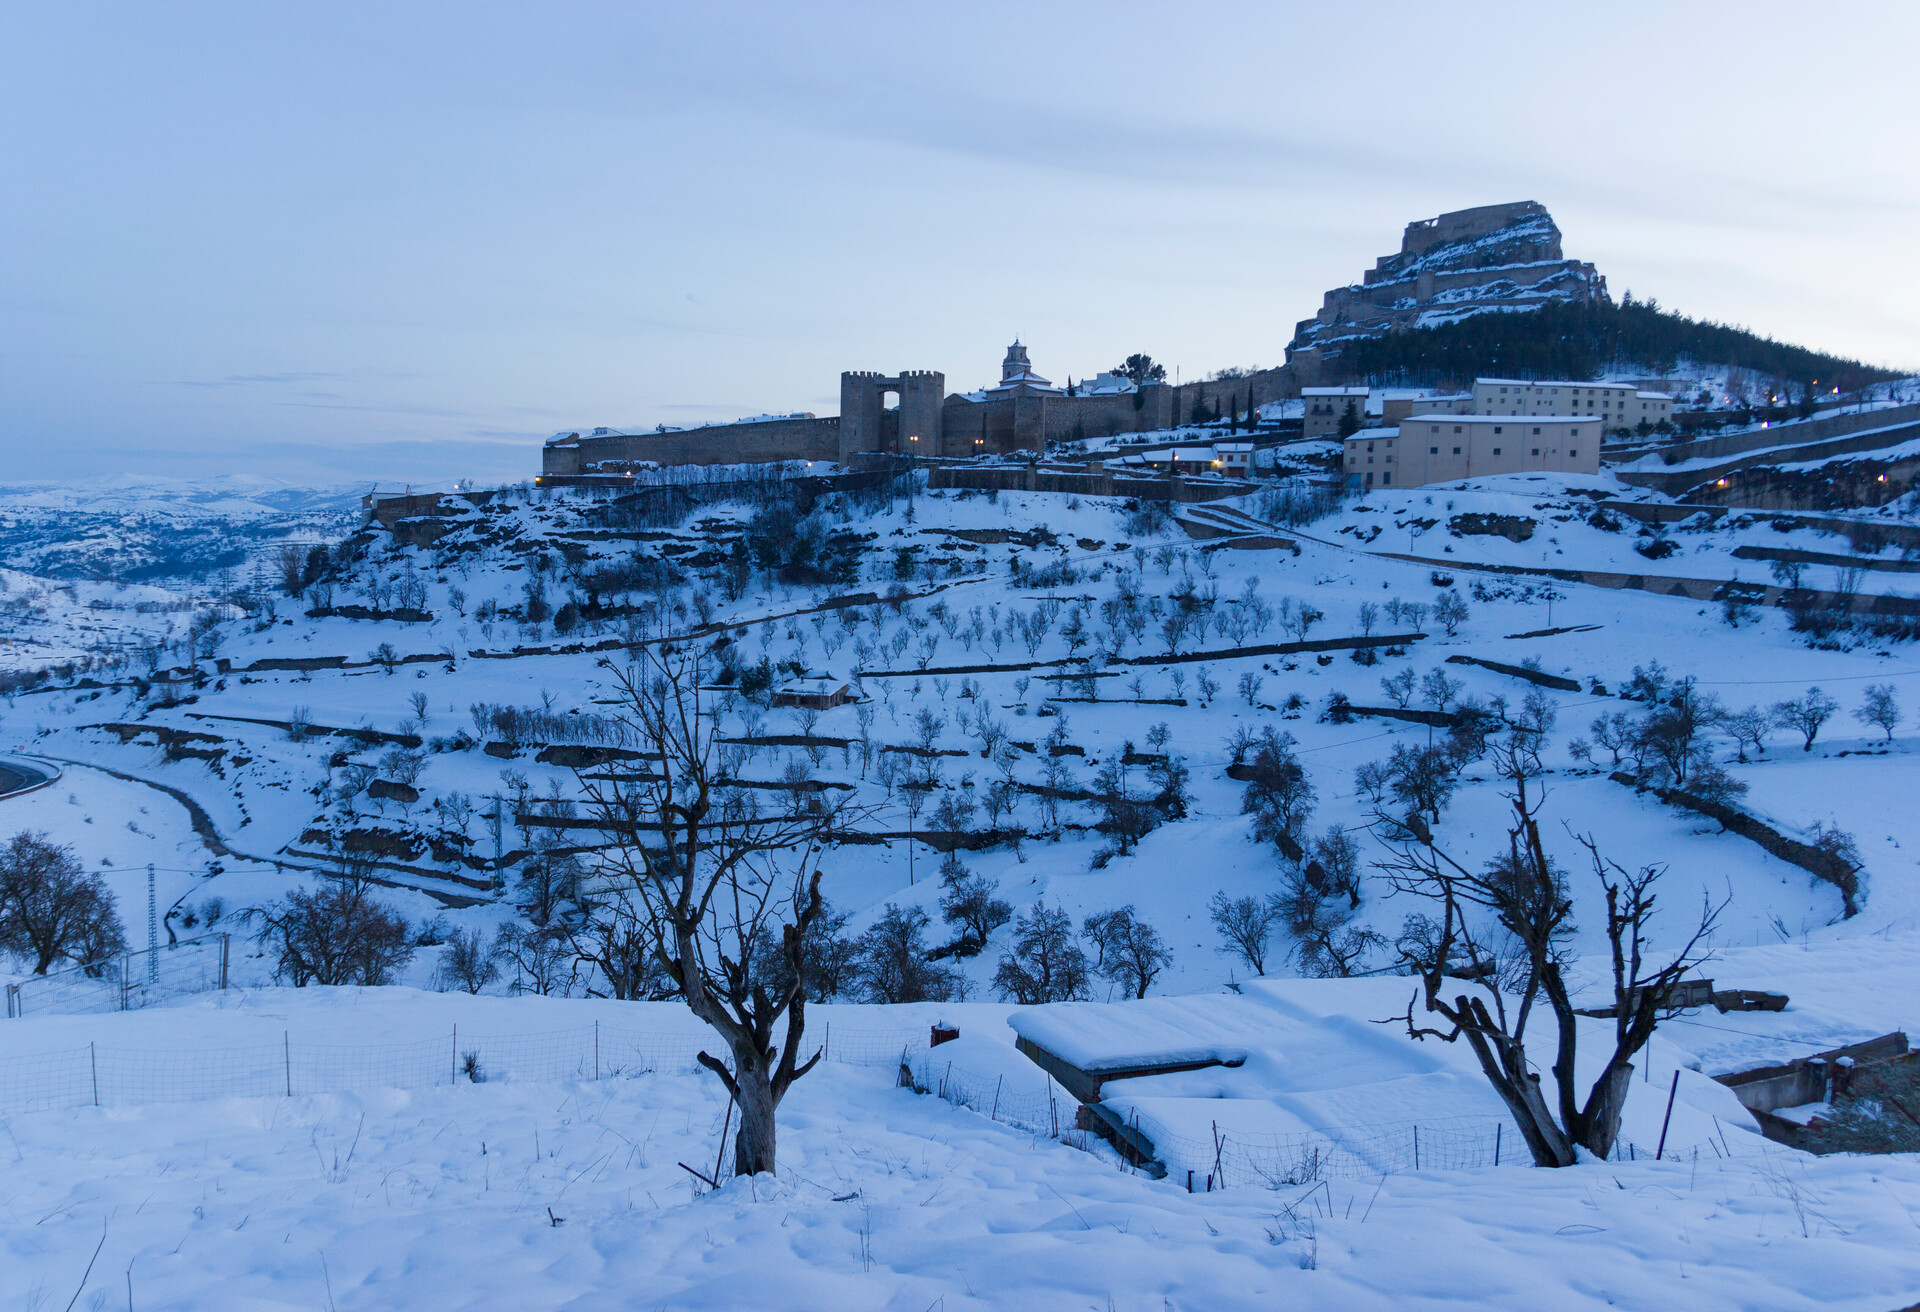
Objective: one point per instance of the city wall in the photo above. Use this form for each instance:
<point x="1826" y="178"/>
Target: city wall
<point x="716" y="444"/>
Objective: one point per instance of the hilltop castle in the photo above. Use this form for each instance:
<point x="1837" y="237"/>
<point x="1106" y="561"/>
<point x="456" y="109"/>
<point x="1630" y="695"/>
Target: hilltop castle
<point x="1494" y="257"/>
<point x="1021" y="413"/>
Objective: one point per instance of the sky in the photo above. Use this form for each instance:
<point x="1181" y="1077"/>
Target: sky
<point x="345" y="242"/>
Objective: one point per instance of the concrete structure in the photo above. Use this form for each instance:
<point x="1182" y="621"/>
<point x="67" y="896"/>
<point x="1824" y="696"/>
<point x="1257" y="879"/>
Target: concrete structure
<point x="1619" y="405"/>
<point x="1442" y="448"/>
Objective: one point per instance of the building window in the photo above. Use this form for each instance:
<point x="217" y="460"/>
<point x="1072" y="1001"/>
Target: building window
<point x="1536" y="450"/>
<point x="1572" y="453"/>
<point x="1497" y="428"/>
<point x="1574" y="432"/>
<point x="1456" y="450"/>
<point x="1496" y="450"/>
<point x="1536" y="432"/>
<point x="1433" y="428"/>
<point x="1386" y="478"/>
<point x="1456" y="428"/>
<point x="1433" y="450"/>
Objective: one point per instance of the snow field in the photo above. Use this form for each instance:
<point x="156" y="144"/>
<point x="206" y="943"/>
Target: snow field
<point x="449" y="1196"/>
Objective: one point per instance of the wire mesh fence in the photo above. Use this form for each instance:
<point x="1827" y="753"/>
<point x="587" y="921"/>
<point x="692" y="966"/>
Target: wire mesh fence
<point x="1230" y="1158"/>
<point x="99" y="1075"/>
<point x="127" y="982"/>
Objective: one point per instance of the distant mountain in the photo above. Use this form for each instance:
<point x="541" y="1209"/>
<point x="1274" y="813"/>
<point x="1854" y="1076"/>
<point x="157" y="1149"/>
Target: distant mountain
<point x="144" y="529"/>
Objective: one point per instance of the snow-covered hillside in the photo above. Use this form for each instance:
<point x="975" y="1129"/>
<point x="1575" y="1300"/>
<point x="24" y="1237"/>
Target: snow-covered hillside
<point x="1013" y="660"/>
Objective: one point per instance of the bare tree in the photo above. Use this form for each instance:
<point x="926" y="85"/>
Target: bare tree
<point x="1046" y="963"/>
<point x="468" y="962"/>
<point x="334" y="934"/>
<point x="1747" y="728"/>
<point x="50" y="907"/>
<point x="1880" y="709"/>
<point x="1806" y="714"/>
<point x="893" y="964"/>
<point x="1245" y="926"/>
<point x="711" y="878"/>
<point x="1524" y="894"/>
<point x="1127" y="949"/>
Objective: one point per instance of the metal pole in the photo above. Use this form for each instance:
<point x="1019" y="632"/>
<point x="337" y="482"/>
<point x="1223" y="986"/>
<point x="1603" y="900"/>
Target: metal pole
<point x="93" y="1065"/>
<point x="596" y="1050"/>
<point x="225" y="946"/>
<point x="453" y="1068"/>
<point x="1673" y="1089"/>
<point x="286" y="1056"/>
<point x="153" y="931"/>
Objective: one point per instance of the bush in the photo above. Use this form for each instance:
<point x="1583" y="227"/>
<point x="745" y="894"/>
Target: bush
<point x="468" y="962"/>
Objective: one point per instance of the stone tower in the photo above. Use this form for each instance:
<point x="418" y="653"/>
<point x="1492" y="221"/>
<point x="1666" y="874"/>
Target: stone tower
<point x="914" y="429"/>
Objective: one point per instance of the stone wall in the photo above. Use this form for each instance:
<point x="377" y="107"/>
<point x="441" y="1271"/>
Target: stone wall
<point x="1705" y="483"/>
<point x="716" y="444"/>
<point x="1006" y="478"/>
<point x="1816" y="429"/>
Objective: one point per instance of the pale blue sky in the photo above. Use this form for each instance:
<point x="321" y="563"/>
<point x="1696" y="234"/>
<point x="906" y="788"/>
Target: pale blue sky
<point x="410" y="241"/>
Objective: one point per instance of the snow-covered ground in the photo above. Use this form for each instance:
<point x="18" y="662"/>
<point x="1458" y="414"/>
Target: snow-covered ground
<point x="569" y="1193"/>
<point x="936" y="1201"/>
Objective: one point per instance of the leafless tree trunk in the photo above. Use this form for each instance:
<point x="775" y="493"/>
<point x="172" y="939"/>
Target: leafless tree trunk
<point x="1508" y="924"/>
<point x="724" y="893"/>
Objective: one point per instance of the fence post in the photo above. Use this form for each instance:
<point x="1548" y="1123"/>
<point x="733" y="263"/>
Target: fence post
<point x="1216" y="1155"/>
<point x="1416" y="1147"/>
<point x="225" y="946"/>
<point x="996" y="1096"/>
<point x="1498" y="1126"/>
<point x="286" y="1056"/>
<point x="93" y="1065"/>
<point x="596" y="1051"/>
<point x="13" y="1001"/>
<point x="453" y="1067"/>
<point x="1661" y="1150"/>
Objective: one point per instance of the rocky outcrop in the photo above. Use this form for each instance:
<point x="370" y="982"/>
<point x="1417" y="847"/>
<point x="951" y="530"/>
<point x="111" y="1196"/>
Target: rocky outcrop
<point x="1494" y="257"/>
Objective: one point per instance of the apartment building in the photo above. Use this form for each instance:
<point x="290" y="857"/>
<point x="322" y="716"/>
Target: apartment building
<point x="1325" y="406"/>
<point x="1619" y="405"/>
<point x="1442" y="448"/>
<point x="1372" y="406"/>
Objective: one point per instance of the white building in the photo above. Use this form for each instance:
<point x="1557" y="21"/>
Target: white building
<point x="1443" y="448"/>
<point x="1619" y="405"/>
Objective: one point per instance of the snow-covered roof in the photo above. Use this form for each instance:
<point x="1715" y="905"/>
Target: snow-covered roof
<point x="1334" y="391"/>
<point x="1537" y="383"/>
<point x="812" y="684"/>
<point x="1106" y="385"/>
<point x="1505" y="419"/>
